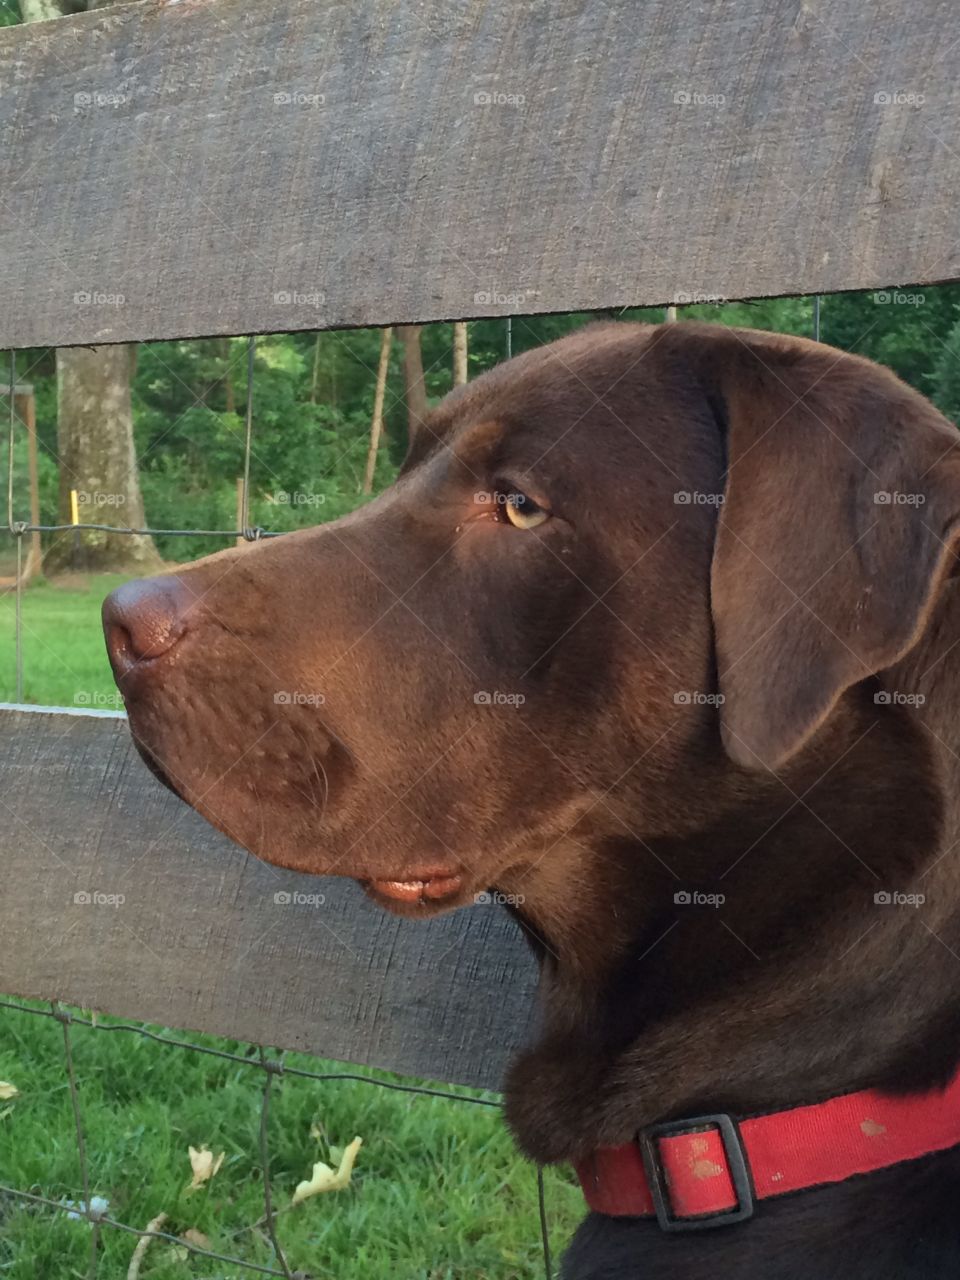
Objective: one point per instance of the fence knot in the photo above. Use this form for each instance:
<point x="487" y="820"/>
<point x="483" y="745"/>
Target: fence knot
<point x="254" y="534"/>
<point x="273" y="1066"/>
<point x="19" y="527"/>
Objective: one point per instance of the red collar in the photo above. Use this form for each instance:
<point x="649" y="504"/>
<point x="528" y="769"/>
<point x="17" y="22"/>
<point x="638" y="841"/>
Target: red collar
<point x="710" y="1170"/>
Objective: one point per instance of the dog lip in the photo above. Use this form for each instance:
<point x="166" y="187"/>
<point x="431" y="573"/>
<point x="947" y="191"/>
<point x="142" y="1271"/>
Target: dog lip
<point x="430" y="886"/>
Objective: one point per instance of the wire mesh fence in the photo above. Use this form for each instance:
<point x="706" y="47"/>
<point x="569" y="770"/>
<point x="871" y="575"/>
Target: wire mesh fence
<point x="271" y="1068"/>
<point x="271" y="1065"/>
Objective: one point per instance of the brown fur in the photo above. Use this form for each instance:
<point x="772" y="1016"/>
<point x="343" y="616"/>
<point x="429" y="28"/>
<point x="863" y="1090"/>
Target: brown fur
<point x="818" y="615"/>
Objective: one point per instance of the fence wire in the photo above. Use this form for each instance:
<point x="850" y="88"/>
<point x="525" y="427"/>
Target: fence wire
<point x="271" y="1067"/>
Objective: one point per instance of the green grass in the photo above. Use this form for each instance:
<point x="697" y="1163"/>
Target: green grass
<point x="64" y="661"/>
<point x="439" y="1191"/>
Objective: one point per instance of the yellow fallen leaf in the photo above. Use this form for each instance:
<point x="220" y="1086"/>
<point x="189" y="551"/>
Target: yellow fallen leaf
<point x="325" y="1179"/>
<point x="204" y="1165"/>
<point x="8" y="1090"/>
<point x="193" y="1236"/>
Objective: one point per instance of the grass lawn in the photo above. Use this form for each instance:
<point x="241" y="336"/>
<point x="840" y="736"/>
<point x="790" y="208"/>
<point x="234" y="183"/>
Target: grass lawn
<point x="438" y="1192"/>
<point x="64" y="661"/>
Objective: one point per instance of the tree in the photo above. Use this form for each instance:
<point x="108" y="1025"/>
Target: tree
<point x="459" y="353"/>
<point x="414" y="387"/>
<point x="95" y="432"/>
<point x="97" y="459"/>
<point x="376" y="426"/>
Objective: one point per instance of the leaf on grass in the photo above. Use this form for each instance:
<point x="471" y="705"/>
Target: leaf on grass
<point x="204" y="1165"/>
<point x="8" y="1091"/>
<point x="195" y="1237"/>
<point x="326" y="1179"/>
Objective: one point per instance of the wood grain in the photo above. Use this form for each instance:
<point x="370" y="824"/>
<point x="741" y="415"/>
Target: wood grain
<point x="172" y="170"/>
<point x="200" y="939"/>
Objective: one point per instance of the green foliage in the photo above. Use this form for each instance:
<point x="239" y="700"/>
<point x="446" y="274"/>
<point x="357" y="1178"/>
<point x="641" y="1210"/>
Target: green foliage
<point x="307" y="459"/>
<point x="946" y="391"/>
<point x="313" y="397"/>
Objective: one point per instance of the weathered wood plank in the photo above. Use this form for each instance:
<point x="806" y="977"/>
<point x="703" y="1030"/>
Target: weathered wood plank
<point x="199" y="939"/>
<point x="177" y="169"/>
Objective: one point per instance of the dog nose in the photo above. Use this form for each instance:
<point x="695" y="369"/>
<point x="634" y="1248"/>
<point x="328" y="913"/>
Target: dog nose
<point x="144" y="620"/>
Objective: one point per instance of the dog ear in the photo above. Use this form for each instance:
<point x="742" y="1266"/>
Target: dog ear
<point x="841" y="502"/>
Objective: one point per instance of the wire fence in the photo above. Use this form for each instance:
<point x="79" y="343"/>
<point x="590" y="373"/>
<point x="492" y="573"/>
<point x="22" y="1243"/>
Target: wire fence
<point x="271" y="1067"/>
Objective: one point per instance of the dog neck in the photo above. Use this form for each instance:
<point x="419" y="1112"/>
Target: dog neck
<point x="818" y="959"/>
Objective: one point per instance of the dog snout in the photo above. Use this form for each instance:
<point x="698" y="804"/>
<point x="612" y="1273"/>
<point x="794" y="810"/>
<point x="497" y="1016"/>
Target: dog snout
<point x="143" y="620"/>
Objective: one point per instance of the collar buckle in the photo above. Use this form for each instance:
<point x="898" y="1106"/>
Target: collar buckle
<point x="648" y="1140"/>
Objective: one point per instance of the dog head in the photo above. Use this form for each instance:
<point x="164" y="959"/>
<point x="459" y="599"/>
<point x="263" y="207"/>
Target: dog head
<point x="620" y="581"/>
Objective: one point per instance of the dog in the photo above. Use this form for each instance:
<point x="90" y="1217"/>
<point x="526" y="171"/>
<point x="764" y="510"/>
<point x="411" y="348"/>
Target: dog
<point x="656" y="634"/>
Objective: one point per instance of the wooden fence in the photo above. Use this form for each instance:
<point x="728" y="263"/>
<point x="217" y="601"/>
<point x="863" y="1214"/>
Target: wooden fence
<point x="221" y="167"/>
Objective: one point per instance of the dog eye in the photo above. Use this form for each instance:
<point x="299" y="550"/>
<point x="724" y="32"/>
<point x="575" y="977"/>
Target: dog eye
<point x="521" y="511"/>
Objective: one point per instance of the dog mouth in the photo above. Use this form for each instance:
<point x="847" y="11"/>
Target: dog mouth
<point x="155" y="767"/>
<point x="436" y="887"/>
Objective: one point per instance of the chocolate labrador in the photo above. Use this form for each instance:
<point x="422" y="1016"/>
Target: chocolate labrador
<point x="656" y="635"/>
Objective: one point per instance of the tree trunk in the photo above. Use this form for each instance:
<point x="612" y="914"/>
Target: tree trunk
<point x="376" y="426"/>
<point x="97" y="458"/>
<point x="413" y="384"/>
<point x="459" y="353"/>
<point x="42" y="10"/>
<point x="230" y="401"/>
<point x="95" y="431"/>
<point x="315" y="381"/>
